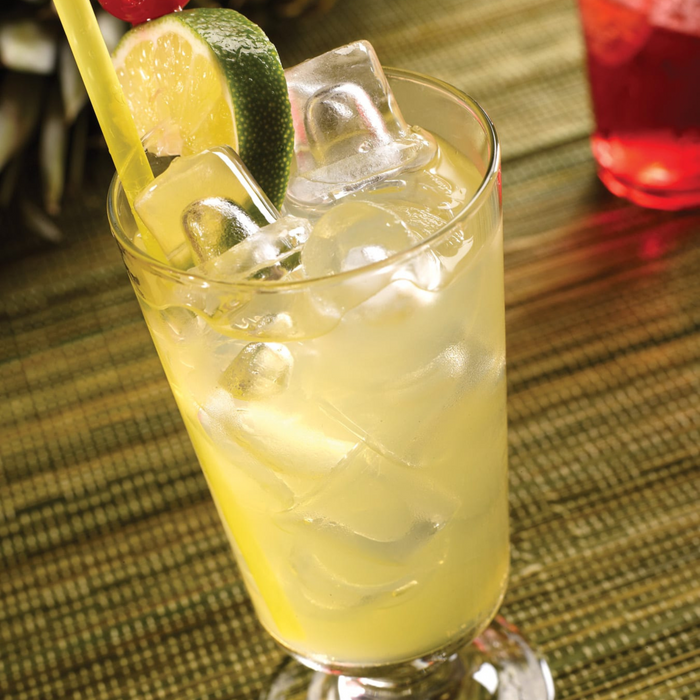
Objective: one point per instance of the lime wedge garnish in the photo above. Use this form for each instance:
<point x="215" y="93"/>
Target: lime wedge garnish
<point x="209" y="77"/>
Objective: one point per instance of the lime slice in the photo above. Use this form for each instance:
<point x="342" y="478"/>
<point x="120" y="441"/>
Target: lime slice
<point x="209" y="77"/>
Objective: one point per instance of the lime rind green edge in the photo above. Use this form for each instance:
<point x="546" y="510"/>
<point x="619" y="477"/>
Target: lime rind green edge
<point x="259" y="92"/>
<point x="263" y="114"/>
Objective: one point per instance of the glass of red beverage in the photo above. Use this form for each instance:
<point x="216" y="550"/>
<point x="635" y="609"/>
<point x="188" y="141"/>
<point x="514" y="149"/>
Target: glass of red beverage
<point x="644" y="72"/>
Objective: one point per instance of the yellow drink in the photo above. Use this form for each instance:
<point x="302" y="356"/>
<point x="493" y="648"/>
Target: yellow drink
<point x="367" y="499"/>
<point x="352" y="429"/>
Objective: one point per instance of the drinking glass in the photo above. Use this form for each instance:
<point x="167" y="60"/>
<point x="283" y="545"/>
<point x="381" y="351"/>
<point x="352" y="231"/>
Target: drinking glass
<point x="352" y="430"/>
<point x="643" y="66"/>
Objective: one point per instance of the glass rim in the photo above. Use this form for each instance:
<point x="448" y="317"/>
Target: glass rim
<point x="468" y="209"/>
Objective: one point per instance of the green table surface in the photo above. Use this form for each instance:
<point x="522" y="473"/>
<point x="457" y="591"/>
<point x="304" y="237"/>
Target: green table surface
<point x="116" y="580"/>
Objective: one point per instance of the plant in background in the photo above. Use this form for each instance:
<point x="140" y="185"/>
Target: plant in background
<point x="44" y="125"/>
<point x="42" y="121"/>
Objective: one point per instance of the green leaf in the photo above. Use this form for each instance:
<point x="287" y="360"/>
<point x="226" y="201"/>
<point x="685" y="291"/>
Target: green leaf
<point x="9" y="179"/>
<point x="72" y="88"/>
<point x="28" y="46"/>
<point x="35" y="220"/>
<point x="20" y="101"/>
<point x="52" y="152"/>
<point x="78" y="153"/>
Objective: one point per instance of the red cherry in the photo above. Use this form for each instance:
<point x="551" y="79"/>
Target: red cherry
<point x="138" y="11"/>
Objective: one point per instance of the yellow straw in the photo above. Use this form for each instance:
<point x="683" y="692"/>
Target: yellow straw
<point x="107" y="97"/>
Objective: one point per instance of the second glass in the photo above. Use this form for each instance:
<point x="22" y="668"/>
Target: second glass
<point x="643" y="65"/>
<point x="352" y="430"/>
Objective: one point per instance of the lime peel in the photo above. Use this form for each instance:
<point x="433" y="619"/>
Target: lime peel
<point x="210" y="77"/>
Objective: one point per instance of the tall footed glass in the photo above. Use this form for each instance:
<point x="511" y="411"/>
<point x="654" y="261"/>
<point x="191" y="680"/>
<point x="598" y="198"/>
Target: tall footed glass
<point x="352" y="429"/>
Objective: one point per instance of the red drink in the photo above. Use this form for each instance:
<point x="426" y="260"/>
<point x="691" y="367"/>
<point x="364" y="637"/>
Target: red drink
<point x="644" y="70"/>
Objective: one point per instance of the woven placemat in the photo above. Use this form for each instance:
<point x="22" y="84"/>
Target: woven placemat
<point x="116" y="580"/>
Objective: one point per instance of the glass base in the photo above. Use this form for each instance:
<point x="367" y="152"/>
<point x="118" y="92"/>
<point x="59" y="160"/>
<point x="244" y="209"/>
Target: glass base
<point x="499" y="664"/>
<point x="653" y="169"/>
<point x="649" y="197"/>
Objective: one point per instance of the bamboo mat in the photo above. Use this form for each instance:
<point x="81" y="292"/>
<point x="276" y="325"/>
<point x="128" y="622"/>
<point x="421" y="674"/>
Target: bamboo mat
<point x="115" y="577"/>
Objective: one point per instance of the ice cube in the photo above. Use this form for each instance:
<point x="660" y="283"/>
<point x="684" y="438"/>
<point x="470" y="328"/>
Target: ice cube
<point x="372" y="530"/>
<point x="231" y="223"/>
<point x="349" y="131"/>
<point x="268" y="253"/>
<point x="335" y="580"/>
<point x="180" y="324"/>
<point x="272" y="325"/>
<point x="259" y="371"/>
<point x="247" y="473"/>
<point x="202" y="204"/>
<point x="353" y="234"/>
<point x="450" y="399"/>
<point x="376" y="505"/>
<point x="293" y="439"/>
